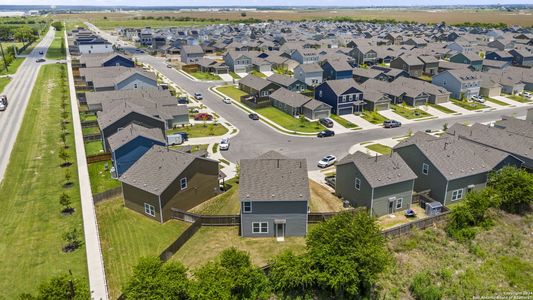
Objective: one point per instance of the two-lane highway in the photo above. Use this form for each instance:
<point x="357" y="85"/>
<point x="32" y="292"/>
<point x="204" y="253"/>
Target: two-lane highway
<point x="18" y="92"/>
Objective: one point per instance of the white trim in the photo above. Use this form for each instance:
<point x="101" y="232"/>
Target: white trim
<point x="459" y="194"/>
<point x="425" y="167"/>
<point x="149" y="209"/>
<point x="446" y="193"/>
<point x="355" y="183"/>
<point x="260" y="227"/>
<point x="399" y="200"/>
<point x="244" y="211"/>
<point x="372" y="202"/>
<point x="181" y="183"/>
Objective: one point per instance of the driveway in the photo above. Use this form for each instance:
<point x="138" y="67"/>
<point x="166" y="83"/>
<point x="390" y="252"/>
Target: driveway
<point x="362" y="123"/>
<point x="226" y="77"/>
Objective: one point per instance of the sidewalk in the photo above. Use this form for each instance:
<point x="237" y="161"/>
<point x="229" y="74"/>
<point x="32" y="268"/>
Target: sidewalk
<point x="95" y="261"/>
<point x="364" y="124"/>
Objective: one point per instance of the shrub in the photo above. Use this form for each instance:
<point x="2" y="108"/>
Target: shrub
<point x="422" y="288"/>
<point x="514" y="187"/>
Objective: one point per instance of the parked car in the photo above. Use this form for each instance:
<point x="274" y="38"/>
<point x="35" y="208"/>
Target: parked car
<point x="203" y="117"/>
<point x="391" y="124"/>
<point x="253" y="116"/>
<point x="194" y="110"/>
<point x="326" y="122"/>
<point x="183" y="100"/>
<point x="478" y="99"/>
<point x="3" y="102"/>
<point x="40" y="60"/>
<point x="224" y="144"/>
<point x="198" y="96"/>
<point x="327" y="161"/>
<point x="226" y="100"/>
<point x="41" y="52"/>
<point x="325" y="133"/>
<point x="169" y="66"/>
<point x="526" y="94"/>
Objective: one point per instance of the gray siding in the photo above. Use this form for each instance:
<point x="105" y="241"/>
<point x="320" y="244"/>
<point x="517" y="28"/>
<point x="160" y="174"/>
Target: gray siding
<point x="294" y="212"/>
<point x="479" y="181"/>
<point x="141" y="81"/>
<point x="383" y="195"/>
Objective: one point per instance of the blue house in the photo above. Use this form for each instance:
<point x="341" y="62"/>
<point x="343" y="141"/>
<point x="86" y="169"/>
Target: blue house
<point x="337" y="69"/>
<point x="131" y="143"/>
<point x="344" y="95"/>
<point x="469" y="58"/>
<point x="499" y="55"/>
<point x="106" y="60"/>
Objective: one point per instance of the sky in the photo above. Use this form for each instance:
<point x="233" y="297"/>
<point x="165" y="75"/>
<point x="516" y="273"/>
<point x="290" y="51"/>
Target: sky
<point x="260" y="2"/>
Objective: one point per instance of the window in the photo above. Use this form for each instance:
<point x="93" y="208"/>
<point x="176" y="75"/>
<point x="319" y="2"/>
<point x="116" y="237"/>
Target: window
<point x="399" y="203"/>
<point x="457" y="194"/>
<point x="358" y="184"/>
<point x="149" y="209"/>
<point x="134" y="85"/>
<point x="247" y="207"/>
<point x="350" y="97"/>
<point x="344" y="98"/>
<point x="259" y="227"/>
<point x="444" y="82"/>
<point x="264" y="93"/>
<point x="183" y="183"/>
<point x="425" y="168"/>
<point x="320" y="94"/>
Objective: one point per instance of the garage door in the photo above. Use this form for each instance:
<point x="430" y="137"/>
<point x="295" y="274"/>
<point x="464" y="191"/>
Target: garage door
<point x="420" y="102"/>
<point x="382" y="106"/>
<point x="345" y="111"/>
<point x="321" y="114"/>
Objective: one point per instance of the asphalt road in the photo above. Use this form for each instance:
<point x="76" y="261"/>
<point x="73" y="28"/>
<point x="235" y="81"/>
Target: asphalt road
<point x="18" y="92"/>
<point x="256" y="138"/>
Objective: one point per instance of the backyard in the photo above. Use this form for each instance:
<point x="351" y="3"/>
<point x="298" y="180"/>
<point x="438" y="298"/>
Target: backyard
<point x="232" y="92"/>
<point x="322" y="200"/>
<point x="373" y="117"/>
<point x="126" y="236"/>
<point x="94" y="147"/>
<point x="201" y="130"/>
<point x="226" y="203"/>
<point x="468" y="105"/>
<point x="100" y="176"/>
<point x="31" y="220"/>
<point x="258" y="74"/>
<point x="409" y="113"/>
<point x="379" y="148"/>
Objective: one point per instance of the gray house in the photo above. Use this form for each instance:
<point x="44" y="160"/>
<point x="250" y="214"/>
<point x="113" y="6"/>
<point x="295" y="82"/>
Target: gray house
<point x="290" y="83"/>
<point x="117" y="78"/>
<point x="296" y="104"/>
<point x="238" y="62"/>
<point x="383" y="184"/>
<point x="274" y="195"/>
<point x="461" y="83"/>
<point x="311" y="74"/>
<point x="305" y="56"/>
<point x="191" y="54"/>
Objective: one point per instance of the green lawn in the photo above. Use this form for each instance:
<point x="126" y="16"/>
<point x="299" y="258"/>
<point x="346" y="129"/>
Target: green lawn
<point x="208" y="242"/>
<point x="87" y="117"/>
<point x="373" y="117"/>
<point x="227" y="203"/>
<point x="204" y="76"/>
<point x="289" y="122"/>
<point x="94" y="147"/>
<point x="101" y="180"/>
<point x="497" y="101"/>
<point x="380" y="148"/>
<point x="442" y="108"/>
<point x="90" y="130"/>
<point x="468" y="105"/>
<point x="12" y="67"/>
<point x="30" y="219"/>
<point x="518" y="98"/>
<point x="409" y="113"/>
<point x="57" y="48"/>
<point x="232" y="92"/>
<point x="195" y="148"/>
<point x="3" y="82"/>
<point x="234" y="75"/>
<point x="201" y="130"/>
<point x="258" y="74"/>
<point x="126" y="236"/>
<point x="343" y="122"/>
<point x="112" y="23"/>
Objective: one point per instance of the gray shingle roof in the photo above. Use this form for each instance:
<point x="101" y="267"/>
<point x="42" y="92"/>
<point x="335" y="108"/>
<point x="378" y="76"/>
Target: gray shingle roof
<point x="381" y="170"/>
<point x="133" y="131"/>
<point x="290" y="98"/>
<point x="254" y="82"/>
<point x="282" y="80"/>
<point x="109" y="76"/>
<point x="273" y="177"/>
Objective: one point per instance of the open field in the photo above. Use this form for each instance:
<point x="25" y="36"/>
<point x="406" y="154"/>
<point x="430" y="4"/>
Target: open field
<point x="523" y="18"/>
<point x="30" y="220"/>
<point x="3" y="82"/>
<point x="127" y="236"/>
<point x="497" y="261"/>
<point x="57" y="48"/>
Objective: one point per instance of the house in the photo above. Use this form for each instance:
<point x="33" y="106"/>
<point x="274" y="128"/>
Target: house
<point x="416" y="42"/>
<point x="117" y="78"/>
<point x="494" y="65"/>
<point x="431" y="64"/>
<point x="164" y="179"/>
<point x="511" y="83"/>
<point x="410" y="64"/>
<point x="207" y="65"/>
<point x="296" y="104"/>
<point x="364" y="55"/>
<point x="130" y="143"/>
<point x="499" y="55"/>
<point x="311" y="74"/>
<point x="344" y="95"/>
<point x="461" y="83"/>
<point x="523" y="56"/>
<point x="238" y="62"/>
<point x="274" y="196"/>
<point x="501" y="44"/>
<point x="191" y="54"/>
<point x="473" y="60"/>
<point x="383" y="184"/>
<point x="105" y="60"/>
<point x="361" y="75"/>
<point x="290" y="83"/>
<point x="529" y="115"/>
<point x="305" y="56"/>
<point x="337" y="69"/>
<point x="96" y="101"/>
<point x="488" y="87"/>
<point x="447" y="168"/>
<point x="93" y="45"/>
<point x="394" y="38"/>
<point x="258" y="88"/>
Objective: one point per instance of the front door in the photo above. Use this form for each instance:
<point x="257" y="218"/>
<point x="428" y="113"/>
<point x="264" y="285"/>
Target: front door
<point x="280" y="230"/>
<point x="391" y="207"/>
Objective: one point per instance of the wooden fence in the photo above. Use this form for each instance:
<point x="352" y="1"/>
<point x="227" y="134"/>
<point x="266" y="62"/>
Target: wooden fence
<point x="109" y="194"/>
<point x="98" y="158"/>
<point x="206" y="220"/>
<point x="190" y="68"/>
<point x="92" y="137"/>
<point x="88" y="124"/>
<point x="247" y="100"/>
<point x="180" y="241"/>
<point x="420" y="224"/>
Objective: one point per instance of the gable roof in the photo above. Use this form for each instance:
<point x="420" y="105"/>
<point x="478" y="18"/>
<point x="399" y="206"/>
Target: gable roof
<point x="290" y="98"/>
<point x="133" y="131"/>
<point x="254" y="82"/>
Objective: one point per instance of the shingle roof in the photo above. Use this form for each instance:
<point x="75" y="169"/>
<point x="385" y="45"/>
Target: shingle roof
<point x="98" y="59"/>
<point x="133" y="131"/>
<point x="381" y="170"/>
<point x="282" y="80"/>
<point x="309" y="68"/>
<point x="254" y="82"/>
<point x="290" y="98"/>
<point x="109" y="76"/>
<point x="273" y="177"/>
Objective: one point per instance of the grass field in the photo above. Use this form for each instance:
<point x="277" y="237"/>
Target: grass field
<point x="210" y="241"/>
<point x="442" y="108"/>
<point x="373" y="117"/>
<point x="409" y="113"/>
<point x="258" y="74"/>
<point x="289" y="122"/>
<point x="101" y="180"/>
<point x="497" y="261"/>
<point x="379" y="148"/>
<point x="204" y="76"/>
<point x="201" y="130"/>
<point x="56" y="51"/>
<point x="468" y="105"/>
<point x="343" y="122"/>
<point x="3" y="82"/>
<point x="31" y="222"/>
<point x="94" y="147"/>
<point x="126" y="236"/>
<point x="224" y="204"/>
<point x="12" y="68"/>
<point x="496" y="101"/>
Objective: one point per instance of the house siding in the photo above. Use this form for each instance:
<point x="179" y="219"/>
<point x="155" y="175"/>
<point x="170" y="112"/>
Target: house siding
<point x="382" y="196"/>
<point x="134" y="199"/>
<point x="294" y="212"/>
<point x="141" y="81"/>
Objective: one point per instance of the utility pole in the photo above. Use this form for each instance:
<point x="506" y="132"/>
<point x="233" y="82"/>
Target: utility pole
<point x="3" y="57"/>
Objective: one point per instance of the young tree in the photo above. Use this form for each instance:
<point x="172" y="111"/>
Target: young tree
<point x="63" y="286"/>
<point x="515" y="188"/>
<point x="72" y="239"/>
<point x="292" y="274"/>
<point x="65" y="201"/>
<point x="153" y="279"/>
<point x="64" y="156"/>
<point x="348" y="253"/>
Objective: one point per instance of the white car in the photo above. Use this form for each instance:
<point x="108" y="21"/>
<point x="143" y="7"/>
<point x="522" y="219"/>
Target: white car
<point x="526" y="94"/>
<point x="478" y="99"/>
<point x="327" y="161"/>
<point x="224" y="144"/>
<point x="227" y="100"/>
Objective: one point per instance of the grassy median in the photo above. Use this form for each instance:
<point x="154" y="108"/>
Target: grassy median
<point x="31" y="222"/>
<point x="57" y="48"/>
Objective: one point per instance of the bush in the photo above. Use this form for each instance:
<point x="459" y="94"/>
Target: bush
<point x="422" y="288"/>
<point x="514" y="187"/>
<point x="64" y="286"/>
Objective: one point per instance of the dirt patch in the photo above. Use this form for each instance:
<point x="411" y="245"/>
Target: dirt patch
<point x="322" y="200"/>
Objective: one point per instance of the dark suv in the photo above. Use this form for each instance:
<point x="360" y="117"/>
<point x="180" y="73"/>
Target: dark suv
<point x="326" y="122"/>
<point x="391" y="124"/>
<point x="326" y="133"/>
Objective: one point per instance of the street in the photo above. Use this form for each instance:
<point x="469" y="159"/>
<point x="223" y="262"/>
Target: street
<point x="18" y="92"/>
